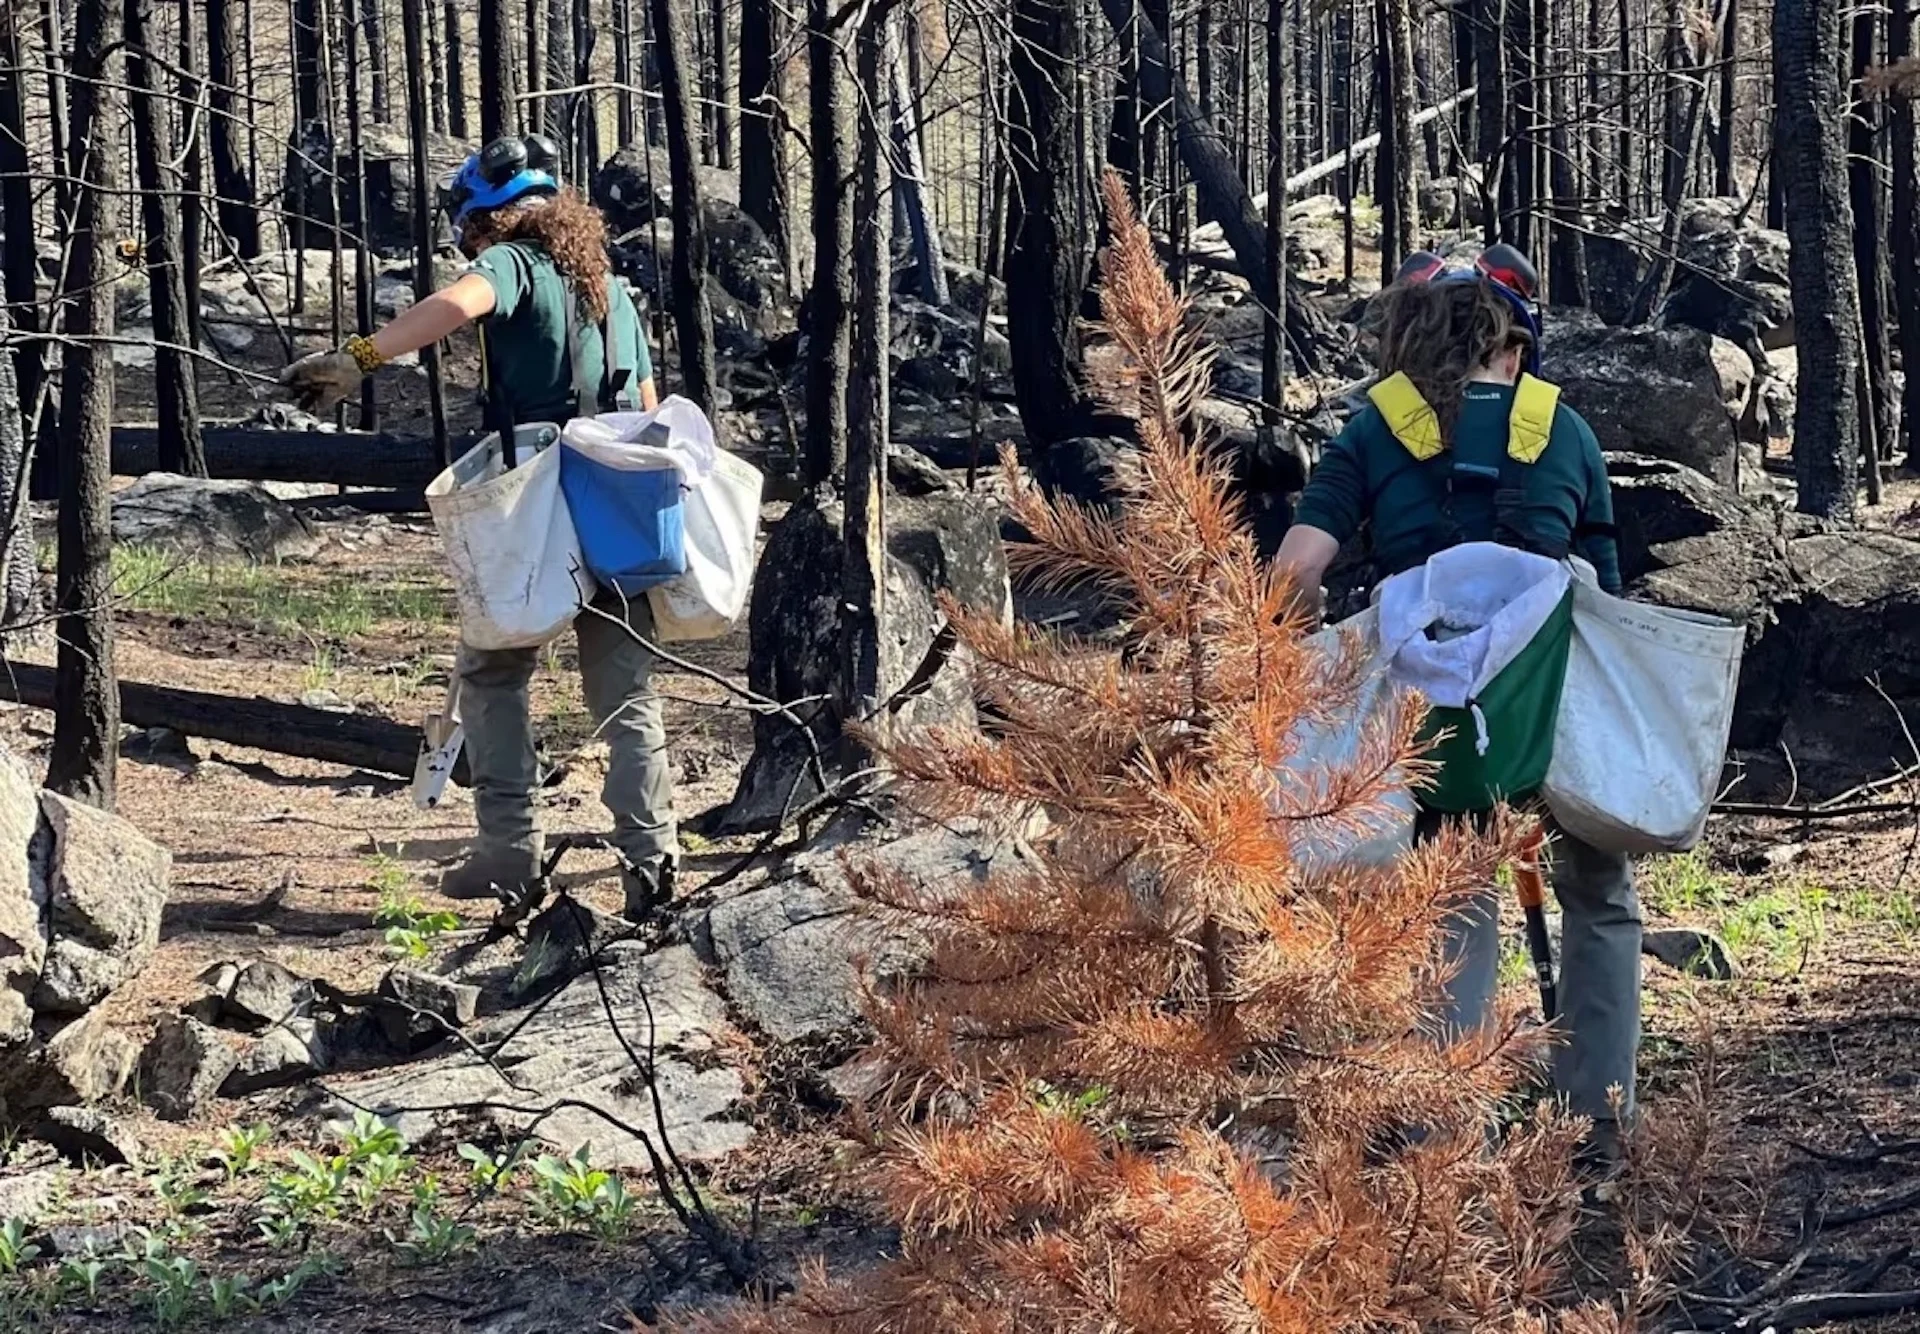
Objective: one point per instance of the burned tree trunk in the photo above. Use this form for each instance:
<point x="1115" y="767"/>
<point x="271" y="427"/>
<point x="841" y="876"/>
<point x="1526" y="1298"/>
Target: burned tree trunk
<point x="232" y="186"/>
<point x="18" y="259"/>
<point x="301" y="166"/>
<point x="414" y="22"/>
<point x="496" y="92"/>
<point x="86" y="733"/>
<point x="722" y="44"/>
<point x="193" y="177"/>
<point x="762" y="195"/>
<point x="1273" y="360"/>
<point x="625" y="104"/>
<point x="176" y="398"/>
<point x="18" y="577"/>
<point x="375" y="25"/>
<point x="1810" y="157"/>
<point x="1905" y="240"/>
<point x="457" y="124"/>
<point x="863" y="576"/>
<point x="692" y="309"/>
<point x="1519" y="182"/>
<point x="363" y="279"/>
<point x="436" y="77"/>
<point x="1567" y="257"/>
<point x="559" y="109"/>
<point x="375" y="744"/>
<point x="52" y="44"/>
<point x="1045" y="268"/>
<point x="1723" y="179"/>
<point x="587" y="156"/>
<point x="830" y="295"/>
<point x="909" y="192"/>
<point x="1684" y="150"/>
<point x="1864" y="170"/>
<point x="1398" y="194"/>
<point x="1491" y="108"/>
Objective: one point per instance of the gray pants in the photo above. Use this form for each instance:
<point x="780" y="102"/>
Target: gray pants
<point x="616" y="674"/>
<point x="1599" y="990"/>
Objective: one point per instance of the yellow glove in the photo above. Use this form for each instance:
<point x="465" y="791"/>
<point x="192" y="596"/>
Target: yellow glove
<point x="319" y="381"/>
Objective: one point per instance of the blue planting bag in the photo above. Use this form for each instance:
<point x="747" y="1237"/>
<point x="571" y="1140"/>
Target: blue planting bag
<point x="630" y="523"/>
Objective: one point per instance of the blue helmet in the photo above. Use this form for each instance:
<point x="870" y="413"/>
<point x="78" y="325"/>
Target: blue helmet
<point x="505" y="171"/>
<point x="1506" y="270"/>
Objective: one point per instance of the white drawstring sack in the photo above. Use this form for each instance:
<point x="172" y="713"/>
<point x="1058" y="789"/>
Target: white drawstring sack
<point x="1481" y="630"/>
<point x="1452" y="625"/>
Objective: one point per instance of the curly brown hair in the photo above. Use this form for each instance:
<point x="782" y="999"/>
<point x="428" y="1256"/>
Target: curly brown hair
<point x="568" y="228"/>
<point x="1439" y="333"/>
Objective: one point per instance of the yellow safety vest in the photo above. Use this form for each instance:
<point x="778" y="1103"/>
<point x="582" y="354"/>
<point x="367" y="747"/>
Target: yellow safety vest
<point x="1417" y="427"/>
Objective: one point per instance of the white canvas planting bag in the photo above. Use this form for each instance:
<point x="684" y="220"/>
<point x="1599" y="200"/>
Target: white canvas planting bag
<point x="1644" y="719"/>
<point x="1383" y="834"/>
<point x="518" y="575"/>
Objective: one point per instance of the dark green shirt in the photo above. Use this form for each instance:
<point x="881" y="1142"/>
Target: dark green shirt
<point x="1368" y="476"/>
<point x="527" y="334"/>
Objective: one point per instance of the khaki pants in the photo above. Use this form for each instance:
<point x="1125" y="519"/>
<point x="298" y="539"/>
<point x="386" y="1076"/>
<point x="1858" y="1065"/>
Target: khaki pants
<point x="1599" y="961"/>
<point x="616" y="673"/>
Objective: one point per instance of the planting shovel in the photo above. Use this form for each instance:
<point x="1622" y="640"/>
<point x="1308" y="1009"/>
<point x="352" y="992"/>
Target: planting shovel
<point x="1530" y="885"/>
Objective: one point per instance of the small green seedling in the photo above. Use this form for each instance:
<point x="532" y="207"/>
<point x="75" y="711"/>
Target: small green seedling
<point x="369" y="1136"/>
<point x="573" y="1192"/>
<point x="410" y="928"/>
<point x="490" y="1172"/>
<point x="81" y="1274"/>
<point x="230" y="1295"/>
<point x="280" y="1230"/>
<point x="432" y="1238"/>
<point x="15" y="1249"/>
<point x="174" y="1279"/>
<point x="280" y="1291"/>
<point x="1063" y="1102"/>
<point x="373" y="1175"/>
<point x="312" y="1189"/>
<point x="239" y="1147"/>
<point x="177" y="1189"/>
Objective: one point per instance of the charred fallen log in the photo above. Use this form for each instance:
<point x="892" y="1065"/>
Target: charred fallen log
<point x="342" y="458"/>
<point x="377" y="745"/>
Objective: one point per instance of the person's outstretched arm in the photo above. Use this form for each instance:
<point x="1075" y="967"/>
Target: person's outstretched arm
<point x="319" y="381"/>
<point x="439" y="316"/>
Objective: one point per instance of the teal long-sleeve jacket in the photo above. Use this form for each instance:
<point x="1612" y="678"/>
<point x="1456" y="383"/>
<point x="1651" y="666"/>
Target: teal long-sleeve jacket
<point x="1367" y="476"/>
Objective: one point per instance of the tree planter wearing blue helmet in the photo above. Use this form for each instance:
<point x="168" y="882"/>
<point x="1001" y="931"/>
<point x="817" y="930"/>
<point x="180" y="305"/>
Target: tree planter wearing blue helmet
<point x="539" y="279"/>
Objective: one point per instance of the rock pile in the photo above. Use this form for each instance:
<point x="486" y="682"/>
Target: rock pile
<point x="1828" y="614"/>
<point x="81" y="894"/>
<point x="257" y="1026"/>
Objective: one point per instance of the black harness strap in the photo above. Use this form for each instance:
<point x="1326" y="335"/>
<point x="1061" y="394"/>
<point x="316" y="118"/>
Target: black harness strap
<point x="1448" y="477"/>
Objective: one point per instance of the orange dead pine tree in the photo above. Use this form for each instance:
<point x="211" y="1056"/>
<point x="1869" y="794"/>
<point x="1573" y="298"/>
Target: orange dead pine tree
<point x="1161" y="1078"/>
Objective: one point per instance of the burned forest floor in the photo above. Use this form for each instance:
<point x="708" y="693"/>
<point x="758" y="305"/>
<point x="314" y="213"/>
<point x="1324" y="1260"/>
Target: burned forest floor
<point x="1782" y="1123"/>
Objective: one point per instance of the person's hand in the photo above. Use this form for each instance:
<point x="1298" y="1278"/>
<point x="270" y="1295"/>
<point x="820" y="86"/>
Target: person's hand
<point x="319" y="381"/>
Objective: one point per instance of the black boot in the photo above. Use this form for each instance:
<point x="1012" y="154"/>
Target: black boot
<point x="649" y="887"/>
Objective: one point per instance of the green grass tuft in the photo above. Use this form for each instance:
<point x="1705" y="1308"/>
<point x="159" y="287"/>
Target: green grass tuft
<point x="271" y="597"/>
